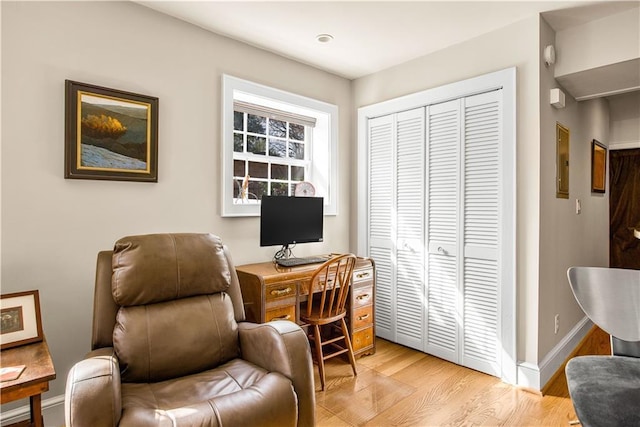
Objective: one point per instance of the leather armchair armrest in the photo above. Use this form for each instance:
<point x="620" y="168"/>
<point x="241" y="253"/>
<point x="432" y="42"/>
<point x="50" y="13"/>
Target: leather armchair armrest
<point x="92" y="395"/>
<point x="282" y="346"/>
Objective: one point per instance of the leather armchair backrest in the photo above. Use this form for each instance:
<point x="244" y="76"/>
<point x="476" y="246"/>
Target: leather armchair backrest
<point x="105" y="306"/>
<point x="175" y="317"/>
<point x="163" y="267"/>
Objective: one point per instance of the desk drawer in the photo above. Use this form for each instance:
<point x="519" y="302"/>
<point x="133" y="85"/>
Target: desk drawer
<point x="362" y="339"/>
<point x="362" y="275"/>
<point x="281" y="290"/>
<point x="281" y="313"/>
<point x="362" y="296"/>
<point x="362" y="317"/>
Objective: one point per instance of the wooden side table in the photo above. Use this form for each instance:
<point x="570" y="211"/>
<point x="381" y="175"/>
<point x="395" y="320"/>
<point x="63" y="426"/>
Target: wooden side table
<point x="33" y="381"/>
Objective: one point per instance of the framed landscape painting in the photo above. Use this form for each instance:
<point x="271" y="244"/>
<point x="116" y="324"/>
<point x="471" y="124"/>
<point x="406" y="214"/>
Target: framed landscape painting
<point x="110" y="134"/>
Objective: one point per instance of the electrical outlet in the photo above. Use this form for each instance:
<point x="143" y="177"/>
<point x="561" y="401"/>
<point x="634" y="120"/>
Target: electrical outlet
<point x="556" y="326"/>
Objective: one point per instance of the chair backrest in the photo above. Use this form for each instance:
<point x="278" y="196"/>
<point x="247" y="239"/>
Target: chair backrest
<point x="151" y="289"/>
<point x="610" y="297"/>
<point x="331" y="282"/>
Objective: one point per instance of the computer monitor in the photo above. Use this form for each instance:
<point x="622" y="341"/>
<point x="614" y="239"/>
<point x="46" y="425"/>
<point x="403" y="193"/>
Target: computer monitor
<point x="289" y="220"/>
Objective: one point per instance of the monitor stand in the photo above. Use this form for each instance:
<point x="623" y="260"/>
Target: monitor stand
<point x="283" y="253"/>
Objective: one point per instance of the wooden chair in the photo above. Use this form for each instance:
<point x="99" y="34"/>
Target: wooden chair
<point x="328" y="295"/>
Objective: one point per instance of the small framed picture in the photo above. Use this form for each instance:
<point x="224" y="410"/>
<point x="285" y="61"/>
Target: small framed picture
<point x="598" y="167"/>
<point x="20" y="321"/>
<point x="110" y="134"/>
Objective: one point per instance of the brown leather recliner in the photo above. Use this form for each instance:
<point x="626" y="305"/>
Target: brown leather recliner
<point x="170" y="346"/>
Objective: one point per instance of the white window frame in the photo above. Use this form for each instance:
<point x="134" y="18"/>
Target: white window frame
<point x="323" y="171"/>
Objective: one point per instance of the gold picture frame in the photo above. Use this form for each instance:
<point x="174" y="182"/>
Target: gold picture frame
<point x="110" y="134"/>
<point x="598" y="167"/>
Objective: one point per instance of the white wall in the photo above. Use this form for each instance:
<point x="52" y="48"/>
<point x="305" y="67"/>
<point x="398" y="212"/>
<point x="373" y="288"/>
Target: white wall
<point x="567" y="238"/>
<point x="52" y="228"/>
<point x="514" y="45"/>
<point x="609" y="40"/>
<point x="624" y="130"/>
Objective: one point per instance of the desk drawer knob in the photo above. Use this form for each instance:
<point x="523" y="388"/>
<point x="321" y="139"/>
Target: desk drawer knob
<point x="280" y="292"/>
<point x="362" y="275"/>
<point x="362" y="297"/>
<point x="363" y="317"/>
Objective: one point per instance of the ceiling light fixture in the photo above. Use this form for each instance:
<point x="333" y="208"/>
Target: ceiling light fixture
<point x="324" y="38"/>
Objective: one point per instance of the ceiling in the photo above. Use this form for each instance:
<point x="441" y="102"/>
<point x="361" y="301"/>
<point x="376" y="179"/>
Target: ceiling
<point x="369" y="36"/>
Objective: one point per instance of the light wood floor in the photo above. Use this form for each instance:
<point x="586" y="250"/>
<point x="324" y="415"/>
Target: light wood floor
<point x="398" y="386"/>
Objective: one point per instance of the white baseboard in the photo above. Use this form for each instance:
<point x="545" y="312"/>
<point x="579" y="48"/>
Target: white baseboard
<point x="52" y="412"/>
<point x="535" y="376"/>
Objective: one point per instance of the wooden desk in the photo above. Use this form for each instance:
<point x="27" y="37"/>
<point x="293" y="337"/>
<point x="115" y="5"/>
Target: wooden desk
<point x="33" y="381"/>
<point x="271" y="292"/>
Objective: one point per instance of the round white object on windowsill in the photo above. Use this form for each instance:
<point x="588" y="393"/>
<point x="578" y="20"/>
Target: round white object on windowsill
<point x="305" y="189"/>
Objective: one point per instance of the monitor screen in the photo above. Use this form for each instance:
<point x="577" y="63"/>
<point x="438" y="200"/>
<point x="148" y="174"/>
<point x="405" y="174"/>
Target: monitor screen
<point x="288" y="220"/>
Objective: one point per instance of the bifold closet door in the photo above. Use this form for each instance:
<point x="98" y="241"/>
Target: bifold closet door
<point x="410" y="206"/>
<point x="434" y="210"/>
<point x="396" y="224"/>
<point x="381" y="220"/>
<point x="463" y="181"/>
<point x="481" y="235"/>
<point x="443" y="170"/>
<point x="438" y="217"/>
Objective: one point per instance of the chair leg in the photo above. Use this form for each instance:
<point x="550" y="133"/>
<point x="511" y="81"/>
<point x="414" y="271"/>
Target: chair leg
<point x="352" y="358"/>
<point x="319" y="355"/>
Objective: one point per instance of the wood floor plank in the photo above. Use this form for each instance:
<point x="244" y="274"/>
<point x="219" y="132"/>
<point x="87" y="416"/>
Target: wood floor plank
<point x="398" y="386"/>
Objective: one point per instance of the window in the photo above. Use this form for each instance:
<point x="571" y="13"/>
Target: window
<point x="272" y="141"/>
<point x="270" y="151"/>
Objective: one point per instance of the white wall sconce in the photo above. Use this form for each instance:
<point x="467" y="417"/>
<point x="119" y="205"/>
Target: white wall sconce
<point x="549" y="55"/>
<point x="556" y="98"/>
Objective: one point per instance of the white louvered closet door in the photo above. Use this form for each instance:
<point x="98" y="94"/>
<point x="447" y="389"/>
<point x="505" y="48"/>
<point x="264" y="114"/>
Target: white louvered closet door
<point x="381" y="234"/>
<point x="440" y="221"/>
<point x="396" y="224"/>
<point x="442" y="164"/>
<point x="480" y="346"/>
<point x="410" y="206"/>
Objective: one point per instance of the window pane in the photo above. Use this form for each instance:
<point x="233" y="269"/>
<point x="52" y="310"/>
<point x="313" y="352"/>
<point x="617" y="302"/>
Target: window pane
<point x="296" y="150"/>
<point x="238" y="145"/>
<point x="237" y="185"/>
<point x="238" y="168"/>
<point x="256" y="124"/>
<point x="279" y="189"/>
<point x="256" y="145"/>
<point x="279" y="172"/>
<point x="277" y="147"/>
<point x="238" y="119"/>
<point x="296" y="132"/>
<point x="297" y="173"/>
<point x="277" y="128"/>
<point x="257" y="189"/>
<point x="258" y="170"/>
